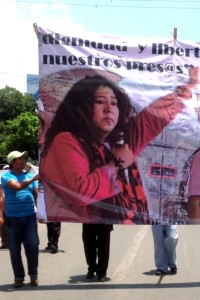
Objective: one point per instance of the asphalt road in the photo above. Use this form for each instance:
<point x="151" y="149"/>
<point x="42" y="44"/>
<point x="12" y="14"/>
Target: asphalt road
<point x="131" y="268"/>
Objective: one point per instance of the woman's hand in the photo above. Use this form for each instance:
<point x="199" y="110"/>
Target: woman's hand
<point x="183" y="91"/>
<point x="123" y="155"/>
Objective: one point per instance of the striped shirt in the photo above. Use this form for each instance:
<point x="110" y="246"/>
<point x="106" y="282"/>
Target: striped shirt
<point x="18" y="203"/>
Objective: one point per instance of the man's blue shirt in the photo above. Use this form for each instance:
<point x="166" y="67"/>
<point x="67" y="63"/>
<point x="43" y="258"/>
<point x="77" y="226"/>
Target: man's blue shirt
<point x="18" y="203"/>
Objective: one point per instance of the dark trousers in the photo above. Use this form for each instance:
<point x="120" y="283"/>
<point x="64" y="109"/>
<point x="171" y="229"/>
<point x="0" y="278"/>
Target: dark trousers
<point x="23" y="231"/>
<point x="53" y="233"/>
<point x="96" y="241"/>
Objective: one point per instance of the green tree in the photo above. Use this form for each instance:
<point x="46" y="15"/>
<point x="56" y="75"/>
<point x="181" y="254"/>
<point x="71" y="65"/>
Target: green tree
<point x="22" y="135"/>
<point x="13" y="103"/>
<point x="18" y="123"/>
<point x="2" y="131"/>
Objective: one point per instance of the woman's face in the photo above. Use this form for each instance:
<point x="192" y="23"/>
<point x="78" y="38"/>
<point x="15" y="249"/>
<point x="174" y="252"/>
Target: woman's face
<point x="105" y="112"/>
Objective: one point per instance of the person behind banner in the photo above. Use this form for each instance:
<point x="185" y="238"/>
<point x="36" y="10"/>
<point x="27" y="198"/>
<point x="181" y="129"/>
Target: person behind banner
<point x="53" y="234"/>
<point x="88" y="163"/>
<point x="165" y="240"/>
<point x="194" y="190"/>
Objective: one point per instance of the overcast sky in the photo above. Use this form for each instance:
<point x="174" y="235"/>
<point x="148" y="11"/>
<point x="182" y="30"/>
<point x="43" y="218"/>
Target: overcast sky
<point x="19" y="49"/>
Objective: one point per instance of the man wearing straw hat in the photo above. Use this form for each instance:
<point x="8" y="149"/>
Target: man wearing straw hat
<point x="20" y="189"/>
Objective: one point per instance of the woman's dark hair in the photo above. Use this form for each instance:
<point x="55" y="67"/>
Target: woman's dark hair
<point x="75" y="112"/>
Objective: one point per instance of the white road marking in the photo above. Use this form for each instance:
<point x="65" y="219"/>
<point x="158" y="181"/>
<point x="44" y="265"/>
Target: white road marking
<point x="127" y="260"/>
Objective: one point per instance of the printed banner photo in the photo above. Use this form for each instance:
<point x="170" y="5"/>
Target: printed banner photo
<point x="119" y="129"/>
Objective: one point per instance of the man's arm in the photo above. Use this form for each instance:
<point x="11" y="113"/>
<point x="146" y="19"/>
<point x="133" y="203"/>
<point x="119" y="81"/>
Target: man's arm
<point x="18" y="186"/>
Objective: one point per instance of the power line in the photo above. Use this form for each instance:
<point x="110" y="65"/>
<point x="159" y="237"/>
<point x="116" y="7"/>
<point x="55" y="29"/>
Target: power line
<point x="99" y="5"/>
<point x="174" y="1"/>
<point x="111" y="1"/>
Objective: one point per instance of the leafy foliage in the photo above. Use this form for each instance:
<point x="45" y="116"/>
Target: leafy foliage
<point x="18" y="123"/>
<point x="22" y="134"/>
<point x="13" y="103"/>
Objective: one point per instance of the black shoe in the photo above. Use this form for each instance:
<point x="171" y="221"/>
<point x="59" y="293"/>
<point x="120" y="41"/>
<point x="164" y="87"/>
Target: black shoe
<point x="53" y="249"/>
<point x="48" y="247"/>
<point x="18" y="283"/>
<point x="34" y="281"/>
<point x="103" y="278"/>
<point x="90" y="275"/>
<point x="159" y="272"/>
<point x="174" y="270"/>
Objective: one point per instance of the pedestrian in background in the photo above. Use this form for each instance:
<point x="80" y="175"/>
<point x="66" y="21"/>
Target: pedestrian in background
<point x="3" y="234"/>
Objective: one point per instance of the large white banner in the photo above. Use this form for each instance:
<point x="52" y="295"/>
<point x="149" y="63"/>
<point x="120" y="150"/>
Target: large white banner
<point x="85" y="179"/>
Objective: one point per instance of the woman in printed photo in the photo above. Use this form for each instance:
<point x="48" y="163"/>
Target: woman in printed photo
<point x="88" y="164"/>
